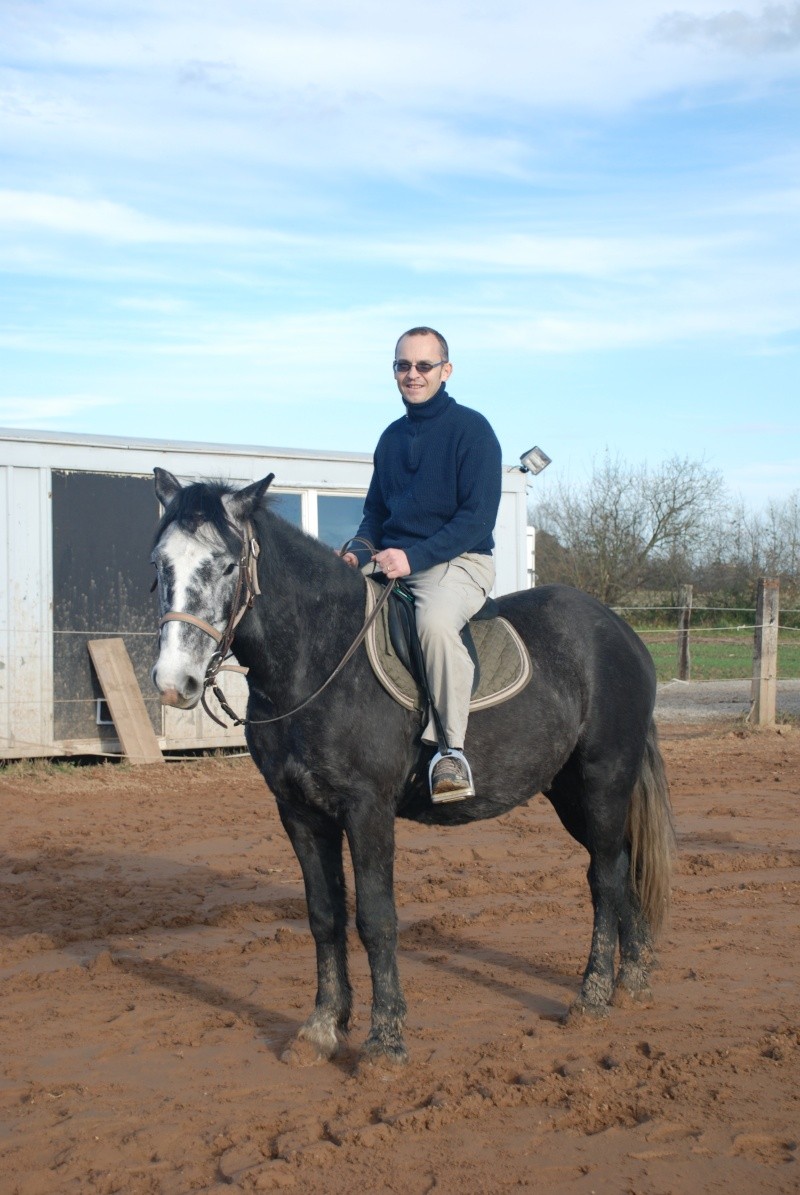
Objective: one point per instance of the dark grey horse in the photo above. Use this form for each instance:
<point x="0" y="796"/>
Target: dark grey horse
<point x="351" y="761"/>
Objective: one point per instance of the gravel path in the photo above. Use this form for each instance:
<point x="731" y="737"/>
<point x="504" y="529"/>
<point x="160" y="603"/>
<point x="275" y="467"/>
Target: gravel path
<point x="697" y="701"/>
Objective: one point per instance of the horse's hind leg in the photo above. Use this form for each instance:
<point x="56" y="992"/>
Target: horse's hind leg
<point x="606" y="877"/>
<point x="318" y="847"/>
<point x="617" y="917"/>
<point x="592" y="804"/>
<point x="635" y="954"/>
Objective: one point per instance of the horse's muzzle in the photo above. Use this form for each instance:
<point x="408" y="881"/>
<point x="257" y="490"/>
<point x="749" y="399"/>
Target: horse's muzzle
<point x="173" y="697"/>
<point x="181" y="693"/>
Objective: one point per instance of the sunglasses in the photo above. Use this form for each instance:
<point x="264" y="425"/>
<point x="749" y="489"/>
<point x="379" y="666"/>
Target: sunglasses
<point x="420" y="366"/>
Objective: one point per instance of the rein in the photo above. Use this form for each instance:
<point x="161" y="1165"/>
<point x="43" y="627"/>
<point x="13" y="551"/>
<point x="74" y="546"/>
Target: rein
<point x="247" y="590"/>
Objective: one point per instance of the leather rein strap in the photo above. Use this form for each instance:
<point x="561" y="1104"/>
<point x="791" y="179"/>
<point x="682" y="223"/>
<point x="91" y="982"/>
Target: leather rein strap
<point x="247" y="590"/>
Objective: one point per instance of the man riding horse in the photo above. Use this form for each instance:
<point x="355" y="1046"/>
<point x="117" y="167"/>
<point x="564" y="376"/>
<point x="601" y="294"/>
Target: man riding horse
<point x="429" y="513"/>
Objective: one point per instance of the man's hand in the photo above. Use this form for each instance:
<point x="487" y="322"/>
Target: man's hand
<point x="350" y="558"/>
<point x="393" y="563"/>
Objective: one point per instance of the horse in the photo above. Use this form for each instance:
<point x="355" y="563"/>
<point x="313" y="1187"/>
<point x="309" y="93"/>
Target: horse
<point x="344" y="760"/>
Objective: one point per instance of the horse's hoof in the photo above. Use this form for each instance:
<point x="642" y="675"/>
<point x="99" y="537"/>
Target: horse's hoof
<point x="633" y="985"/>
<point x="625" y="997"/>
<point x="376" y="1056"/>
<point x="303" y="1053"/>
<point x="310" y="1049"/>
<point x="581" y="1012"/>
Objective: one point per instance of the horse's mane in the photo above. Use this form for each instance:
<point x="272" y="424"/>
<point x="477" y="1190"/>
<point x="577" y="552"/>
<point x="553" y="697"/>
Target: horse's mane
<point x="200" y="504"/>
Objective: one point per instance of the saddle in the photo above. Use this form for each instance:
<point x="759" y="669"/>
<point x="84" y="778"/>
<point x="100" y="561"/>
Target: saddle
<point x="502" y="663"/>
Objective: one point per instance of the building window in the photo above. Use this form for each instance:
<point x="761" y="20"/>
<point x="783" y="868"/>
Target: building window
<point x="338" y="517"/>
<point x="288" y="506"/>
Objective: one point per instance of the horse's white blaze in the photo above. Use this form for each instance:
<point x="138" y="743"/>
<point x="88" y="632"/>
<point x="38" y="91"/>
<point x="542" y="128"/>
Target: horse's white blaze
<point x="192" y="580"/>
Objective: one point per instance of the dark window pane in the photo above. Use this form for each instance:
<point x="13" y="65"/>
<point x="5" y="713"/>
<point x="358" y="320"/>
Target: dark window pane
<point x="338" y="517"/>
<point x="103" y="528"/>
<point x="288" y="506"/>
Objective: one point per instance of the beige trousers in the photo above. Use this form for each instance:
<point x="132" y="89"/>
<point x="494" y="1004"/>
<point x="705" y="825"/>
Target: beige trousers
<point x="447" y="596"/>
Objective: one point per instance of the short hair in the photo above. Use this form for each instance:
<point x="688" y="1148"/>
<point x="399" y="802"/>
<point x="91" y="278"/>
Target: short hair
<point x="427" y="332"/>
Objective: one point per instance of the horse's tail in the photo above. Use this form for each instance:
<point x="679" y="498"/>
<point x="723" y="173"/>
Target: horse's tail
<point x="651" y="834"/>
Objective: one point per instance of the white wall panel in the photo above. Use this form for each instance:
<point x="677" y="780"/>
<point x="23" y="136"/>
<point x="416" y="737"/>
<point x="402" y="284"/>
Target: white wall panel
<point x="25" y="615"/>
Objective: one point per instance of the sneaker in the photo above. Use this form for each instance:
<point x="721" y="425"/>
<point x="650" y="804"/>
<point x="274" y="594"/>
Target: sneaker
<point x="450" y="778"/>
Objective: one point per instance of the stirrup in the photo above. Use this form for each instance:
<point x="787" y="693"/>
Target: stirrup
<point x="456" y="794"/>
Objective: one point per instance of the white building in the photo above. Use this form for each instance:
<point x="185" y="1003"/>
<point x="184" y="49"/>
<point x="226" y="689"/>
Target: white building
<point x="78" y="514"/>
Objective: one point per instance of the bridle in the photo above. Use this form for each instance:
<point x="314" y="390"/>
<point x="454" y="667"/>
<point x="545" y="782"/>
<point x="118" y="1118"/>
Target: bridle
<point x="247" y="590"/>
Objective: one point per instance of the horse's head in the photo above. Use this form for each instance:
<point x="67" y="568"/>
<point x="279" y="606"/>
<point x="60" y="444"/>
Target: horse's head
<point x="198" y="549"/>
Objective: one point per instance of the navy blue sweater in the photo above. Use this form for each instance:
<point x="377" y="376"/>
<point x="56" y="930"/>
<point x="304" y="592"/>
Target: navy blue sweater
<point x="435" y="490"/>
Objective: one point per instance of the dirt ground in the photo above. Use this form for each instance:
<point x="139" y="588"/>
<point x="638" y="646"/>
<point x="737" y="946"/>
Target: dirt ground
<point x="156" y="960"/>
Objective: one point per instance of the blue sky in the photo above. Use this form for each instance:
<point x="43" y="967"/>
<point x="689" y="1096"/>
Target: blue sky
<point x="215" y="220"/>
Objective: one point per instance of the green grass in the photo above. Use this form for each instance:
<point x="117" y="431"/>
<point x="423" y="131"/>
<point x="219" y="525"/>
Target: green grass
<point x="724" y="655"/>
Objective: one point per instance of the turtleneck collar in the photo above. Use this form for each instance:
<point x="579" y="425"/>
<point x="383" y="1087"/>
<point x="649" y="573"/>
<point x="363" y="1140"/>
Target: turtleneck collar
<point x="430" y="409"/>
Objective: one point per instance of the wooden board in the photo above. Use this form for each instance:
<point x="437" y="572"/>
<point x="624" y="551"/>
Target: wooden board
<point x="124" y="697"/>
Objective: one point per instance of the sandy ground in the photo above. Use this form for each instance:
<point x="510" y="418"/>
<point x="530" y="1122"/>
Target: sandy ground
<point x="156" y="960"/>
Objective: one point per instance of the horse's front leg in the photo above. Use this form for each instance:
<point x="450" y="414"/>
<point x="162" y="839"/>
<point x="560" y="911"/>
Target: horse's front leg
<point x="370" y="834"/>
<point x="317" y="842"/>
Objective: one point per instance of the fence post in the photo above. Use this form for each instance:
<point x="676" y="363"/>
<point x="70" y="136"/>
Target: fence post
<point x="763" y="692"/>
<point x="685" y="618"/>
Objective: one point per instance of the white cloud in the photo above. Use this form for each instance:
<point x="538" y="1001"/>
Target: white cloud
<point x="105" y="220"/>
<point x="776" y="28"/>
<point x="474" y="249"/>
<point x="330" y="69"/>
<point x="43" y="412"/>
<point x="293" y="104"/>
<point x="469" y="248"/>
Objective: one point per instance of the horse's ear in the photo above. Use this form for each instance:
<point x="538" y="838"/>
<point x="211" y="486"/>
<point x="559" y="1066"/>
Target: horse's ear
<point x="242" y="504"/>
<point x="167" y="486"/>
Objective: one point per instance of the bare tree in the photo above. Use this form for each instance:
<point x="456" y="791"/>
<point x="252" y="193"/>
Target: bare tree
<point x="744" y="545"/>
<point x="781" y="532"/>
<point x="601" y="537"/>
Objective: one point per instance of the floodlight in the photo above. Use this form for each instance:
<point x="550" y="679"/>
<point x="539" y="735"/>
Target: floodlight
<point x="534" y="460"/>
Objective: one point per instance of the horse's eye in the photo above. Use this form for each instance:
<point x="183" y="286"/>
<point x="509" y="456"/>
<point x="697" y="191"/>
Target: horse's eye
<point x="229" y="570"/>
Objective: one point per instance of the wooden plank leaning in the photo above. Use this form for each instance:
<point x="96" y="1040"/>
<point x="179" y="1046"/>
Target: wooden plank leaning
<point x="124" y="697"/>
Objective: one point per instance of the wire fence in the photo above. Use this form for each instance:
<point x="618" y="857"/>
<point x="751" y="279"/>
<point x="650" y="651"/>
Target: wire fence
<point x="718" y="652"/>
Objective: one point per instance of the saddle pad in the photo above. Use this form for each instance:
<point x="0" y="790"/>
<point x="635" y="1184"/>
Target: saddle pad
<point x="505" y="663"/>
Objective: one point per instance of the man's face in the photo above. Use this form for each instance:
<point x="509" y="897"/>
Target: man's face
<point x="415" y="386"/>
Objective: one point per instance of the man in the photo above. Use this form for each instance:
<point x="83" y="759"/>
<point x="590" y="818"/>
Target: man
<point x="430" y="512"/>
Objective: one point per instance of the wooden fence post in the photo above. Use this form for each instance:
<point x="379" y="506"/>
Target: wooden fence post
<point x="685" y="618"/>
<point x="764" y="690"/>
